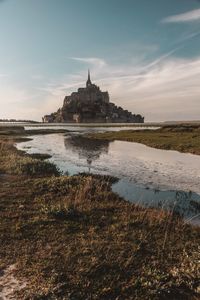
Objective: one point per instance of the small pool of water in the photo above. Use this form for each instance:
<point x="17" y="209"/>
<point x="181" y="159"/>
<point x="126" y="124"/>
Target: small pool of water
<point x="148" y="176"/>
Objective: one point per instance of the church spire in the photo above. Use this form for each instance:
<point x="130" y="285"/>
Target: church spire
<point x="88" y="83"/>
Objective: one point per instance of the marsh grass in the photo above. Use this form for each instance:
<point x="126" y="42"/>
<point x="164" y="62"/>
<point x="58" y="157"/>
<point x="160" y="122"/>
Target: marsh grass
<point x="16" y="162"/>
<point x="72" y="237"/>
<point x="181" y="138"/>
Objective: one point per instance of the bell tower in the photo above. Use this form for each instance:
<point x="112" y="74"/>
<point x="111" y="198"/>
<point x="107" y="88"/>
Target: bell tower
<point x="88" y="83"/>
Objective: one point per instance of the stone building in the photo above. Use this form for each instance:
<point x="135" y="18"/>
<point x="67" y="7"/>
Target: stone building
<point x="47" y="119"/>
<point x="90" y="104"/>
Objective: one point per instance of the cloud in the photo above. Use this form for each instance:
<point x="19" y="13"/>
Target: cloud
<point x="95" y="62"/>
<point x="188" y="36"/>
<point x="190" y="16"/>
<point x="162" y="58"/>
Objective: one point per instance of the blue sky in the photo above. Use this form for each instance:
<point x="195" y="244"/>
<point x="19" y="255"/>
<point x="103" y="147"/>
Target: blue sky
<point x="145" y="53"/>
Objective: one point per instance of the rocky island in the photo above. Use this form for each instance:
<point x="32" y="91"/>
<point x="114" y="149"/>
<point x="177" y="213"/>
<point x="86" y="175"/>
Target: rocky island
<point x="91" y="105"/>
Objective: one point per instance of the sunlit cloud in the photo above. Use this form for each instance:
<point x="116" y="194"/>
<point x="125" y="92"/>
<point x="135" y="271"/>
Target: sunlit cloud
<point x="3" y="75"/>
<point x="190" y="16"/>
<point x="94" y="61"/>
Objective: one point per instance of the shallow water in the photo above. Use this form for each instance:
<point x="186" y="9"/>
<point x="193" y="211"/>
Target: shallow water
<point x="148" y="176"/>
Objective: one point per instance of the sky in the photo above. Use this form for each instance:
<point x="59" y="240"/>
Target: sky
<point x="146" y="54"/>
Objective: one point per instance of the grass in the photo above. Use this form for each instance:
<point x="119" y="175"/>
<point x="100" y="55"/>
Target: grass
<point x="71" y="237"/>
<point x="16" y="162"/>
<point x="181" y="138"/>
<point x="14" y="131"/>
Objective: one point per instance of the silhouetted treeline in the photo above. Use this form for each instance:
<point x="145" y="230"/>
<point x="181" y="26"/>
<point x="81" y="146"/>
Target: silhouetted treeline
<point x="17" y="121"/>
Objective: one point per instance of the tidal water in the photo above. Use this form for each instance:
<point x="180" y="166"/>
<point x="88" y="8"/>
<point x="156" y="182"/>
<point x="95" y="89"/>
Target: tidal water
<point x="147" y="176"/>
<point x="89" y="127"/>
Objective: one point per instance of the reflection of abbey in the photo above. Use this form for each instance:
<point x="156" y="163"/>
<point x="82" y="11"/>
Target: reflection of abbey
<point x="90" y="104"/>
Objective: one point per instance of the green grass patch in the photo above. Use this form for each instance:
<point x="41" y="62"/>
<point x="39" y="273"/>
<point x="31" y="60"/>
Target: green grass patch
<point x="18" y="163"/>
<point x="184" y="139"/>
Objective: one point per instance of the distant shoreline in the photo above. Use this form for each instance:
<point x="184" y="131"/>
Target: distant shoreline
<point x="151" y="124"/>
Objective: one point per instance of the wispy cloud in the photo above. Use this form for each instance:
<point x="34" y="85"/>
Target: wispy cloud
<point x="190" y="16"/>
<point x="162" y="58"/>
<point x="189" y="36"/>
<point x="94" y="61"/>
<point x="3" y="75"/>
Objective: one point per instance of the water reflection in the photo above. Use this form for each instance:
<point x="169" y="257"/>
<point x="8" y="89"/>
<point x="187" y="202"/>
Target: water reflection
<point x="87" y="149"/>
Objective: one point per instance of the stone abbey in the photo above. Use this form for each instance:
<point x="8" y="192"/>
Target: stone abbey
<point x="91" y="105"/>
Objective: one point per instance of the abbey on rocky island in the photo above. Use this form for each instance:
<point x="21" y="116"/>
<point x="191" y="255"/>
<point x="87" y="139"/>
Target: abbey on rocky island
<point x="91" y="105"/>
